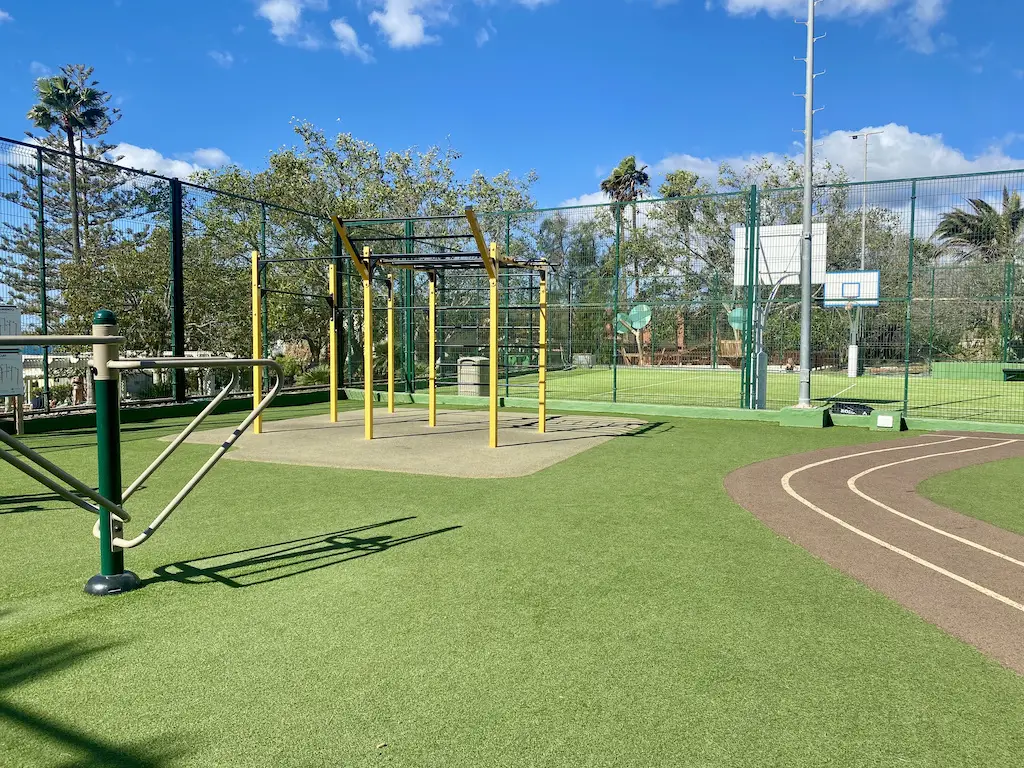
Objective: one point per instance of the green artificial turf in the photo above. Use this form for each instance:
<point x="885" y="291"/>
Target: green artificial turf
<point x="616" y="609"/>
<point x="989" y="492"/>
<point x="963" y="399"/>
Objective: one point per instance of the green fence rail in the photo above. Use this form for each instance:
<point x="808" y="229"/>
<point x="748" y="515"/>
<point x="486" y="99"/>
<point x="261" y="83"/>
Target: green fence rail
<point x="173" y="260"/>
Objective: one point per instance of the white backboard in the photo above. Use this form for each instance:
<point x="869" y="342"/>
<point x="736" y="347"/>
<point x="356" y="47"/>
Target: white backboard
<point x="778" y="257"/>
<point x="853" y="288"/>
<point x="11" y="374"/>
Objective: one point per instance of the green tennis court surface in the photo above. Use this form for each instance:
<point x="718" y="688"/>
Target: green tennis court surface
<point x="968" y="400"/>
<point x="616" y="609"/>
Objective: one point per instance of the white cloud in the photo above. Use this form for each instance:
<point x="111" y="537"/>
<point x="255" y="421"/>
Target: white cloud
<point x="145" y="159"/>
<point x="591" y="198"/>
<point x="531" y="4"/>
<point x="897" y="153"/>
<point x="39" y="69"/>
<point x="222" y="58"/>
<point x="285" y="17"/>
<point x="913" y="20"/>
<point x="5" y="16"/>
<point x="405" y="22"/>
<point x="484" y="34"/>
<point x="348" y="41"/>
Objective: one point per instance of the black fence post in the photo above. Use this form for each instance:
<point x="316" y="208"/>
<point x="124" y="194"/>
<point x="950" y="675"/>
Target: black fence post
<point x="177" y="288"/>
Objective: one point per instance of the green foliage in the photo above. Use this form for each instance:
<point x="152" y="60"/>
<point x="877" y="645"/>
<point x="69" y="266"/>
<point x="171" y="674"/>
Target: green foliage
<point x="319" y="376"/>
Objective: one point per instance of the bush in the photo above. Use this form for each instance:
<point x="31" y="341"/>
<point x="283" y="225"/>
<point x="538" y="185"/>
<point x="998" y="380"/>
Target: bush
<point x="319" y="376"/>
<point x="60" y="393"/>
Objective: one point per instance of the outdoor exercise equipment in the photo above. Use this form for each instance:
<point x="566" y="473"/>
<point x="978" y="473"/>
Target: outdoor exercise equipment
<point x="107" y="502"/>
<point x="436" y="262"/>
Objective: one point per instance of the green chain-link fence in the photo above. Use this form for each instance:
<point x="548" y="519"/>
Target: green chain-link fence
<point x="648" y="301"/>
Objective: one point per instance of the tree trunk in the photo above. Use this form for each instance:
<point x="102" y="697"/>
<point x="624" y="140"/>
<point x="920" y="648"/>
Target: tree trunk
<point x="85" y="191"/>
<point x="76" y="240"/>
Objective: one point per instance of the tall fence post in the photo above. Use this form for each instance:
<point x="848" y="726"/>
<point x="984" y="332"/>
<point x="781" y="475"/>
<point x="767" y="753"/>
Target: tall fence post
<point x="264" y="313"/>
<point x="716" y="306"/>
<point x="931" y="323"/>
<point x="615" y="305"/>
<point x="177" y="287"/>
<point x="409" y="287"/>
<point x="910" y="299"/>
<point x="751" y="282"/>
<point x="506" y="276"/>
<point x="1007" y="306"/>
<point x="43" y="327"/>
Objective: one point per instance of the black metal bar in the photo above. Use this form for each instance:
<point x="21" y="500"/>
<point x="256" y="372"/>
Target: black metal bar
<point x="177" y="288"/>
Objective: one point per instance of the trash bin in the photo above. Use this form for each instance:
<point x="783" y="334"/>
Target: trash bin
<point x="473" y="376"/>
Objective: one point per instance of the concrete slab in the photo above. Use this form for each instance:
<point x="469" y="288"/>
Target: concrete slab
<point x="456" y="447"/>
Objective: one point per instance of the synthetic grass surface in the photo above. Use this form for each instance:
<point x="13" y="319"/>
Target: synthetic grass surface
<point x="614" y="610"/>
<point x="989" y="492"/>
<point x="969" y="400"/>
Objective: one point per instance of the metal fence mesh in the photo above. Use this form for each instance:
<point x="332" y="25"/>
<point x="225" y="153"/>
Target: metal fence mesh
<point x="648" y="302"/>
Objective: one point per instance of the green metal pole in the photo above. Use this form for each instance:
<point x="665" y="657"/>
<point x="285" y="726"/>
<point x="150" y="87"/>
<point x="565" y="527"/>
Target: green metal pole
<point x="716" y="306"/>
<point x="508" y="317"/>
<point x="615" y="305"/>
<point x="349" y="329"/>
<point x="40" y="213"/>
<point x="112" y="578"/>
<point x="264" y="322"/>
<point x="747" y="380"/>
<point x="931" y="324"/>
<point x="408" y="280"/>
<point x="177" y="231"/>
<point x="1007" y="306"/>
<point x="338" y="340"/>
<point x="910" y="299"/>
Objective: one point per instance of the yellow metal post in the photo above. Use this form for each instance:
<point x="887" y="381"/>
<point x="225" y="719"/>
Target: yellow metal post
<point x="492" y="278"/>
<point x="367" y="350"/>
<point x="257" y="341"/>
<point x="432" y="375"/>
<point x="332" y="290"/>
<point x="542" y="356"/>
<point x="391" y="343"/>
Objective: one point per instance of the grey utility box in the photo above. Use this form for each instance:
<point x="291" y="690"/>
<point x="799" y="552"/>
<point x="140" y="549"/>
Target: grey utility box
<point x="473" y="376"/>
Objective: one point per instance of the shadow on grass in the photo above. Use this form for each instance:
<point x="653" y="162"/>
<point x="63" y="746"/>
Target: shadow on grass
<point x="35" y="663"/>
<point x="273" y="562"/>
<point x="30" y="502"/>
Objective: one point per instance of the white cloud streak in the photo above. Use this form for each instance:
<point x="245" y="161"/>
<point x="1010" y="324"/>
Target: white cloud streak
<point x="404" y="22"/>
<point x="38" y="69"/>
<point x="348" y="41"/>
<point x="5" y="16"/>
<point x="286" y="23"/>
<point x="145" y="159"/>
<point x="222" y="58"/>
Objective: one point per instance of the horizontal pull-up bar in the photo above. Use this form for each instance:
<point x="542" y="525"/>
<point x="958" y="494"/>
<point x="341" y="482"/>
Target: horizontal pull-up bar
<point x="55" y="341"/>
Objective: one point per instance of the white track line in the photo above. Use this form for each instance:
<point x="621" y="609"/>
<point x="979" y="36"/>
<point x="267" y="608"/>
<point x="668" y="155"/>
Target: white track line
<point x="852" y="485"/>
<point x="884" y="544"/>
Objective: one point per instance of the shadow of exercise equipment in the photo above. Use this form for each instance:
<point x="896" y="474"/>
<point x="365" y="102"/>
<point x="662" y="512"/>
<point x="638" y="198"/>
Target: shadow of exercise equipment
<point x="274" y="562"/>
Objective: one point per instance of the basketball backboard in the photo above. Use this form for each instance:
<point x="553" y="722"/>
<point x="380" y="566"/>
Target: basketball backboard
<point x="852" y="289"/>
<point x="778" y="254"/>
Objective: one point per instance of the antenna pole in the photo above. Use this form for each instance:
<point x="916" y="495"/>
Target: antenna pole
<point x="806" y="289"/>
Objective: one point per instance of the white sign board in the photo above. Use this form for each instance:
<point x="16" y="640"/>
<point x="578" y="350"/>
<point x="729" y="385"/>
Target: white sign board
<point x="10" y="321"/>
<point x="11" y="374"/>
<point x="778" y="254"/>
<point x="852" y="289"/>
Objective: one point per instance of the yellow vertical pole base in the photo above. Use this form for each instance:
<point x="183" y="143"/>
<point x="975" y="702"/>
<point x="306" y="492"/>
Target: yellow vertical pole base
<point x="493" y="367"/>
<point x="367" y="359"/>
<point x="391" y="345"/>
<point x="431" y="350"/>
<point x="257" y="341"/>
<point x="542" y="361"/>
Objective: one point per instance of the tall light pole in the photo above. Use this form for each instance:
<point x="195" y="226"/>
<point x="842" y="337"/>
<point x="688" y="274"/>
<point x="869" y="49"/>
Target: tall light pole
<point x="806" y="289"/>
<point x="853" y="356"/>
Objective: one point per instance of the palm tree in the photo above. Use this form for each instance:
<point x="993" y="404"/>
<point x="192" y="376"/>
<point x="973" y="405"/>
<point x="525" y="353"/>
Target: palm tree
<point x="986" y="234"/>
<point x="627" y="183"/>
<point x="70" y="103"/>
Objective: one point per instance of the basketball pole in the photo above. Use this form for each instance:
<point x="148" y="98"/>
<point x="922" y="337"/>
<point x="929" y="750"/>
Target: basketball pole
<point x="806" y="289"/>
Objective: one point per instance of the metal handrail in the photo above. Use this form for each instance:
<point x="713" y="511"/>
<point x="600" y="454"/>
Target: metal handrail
<point x="147" y="473"/>
<point x="194" y="362"/>
<point x="58" y="341"/>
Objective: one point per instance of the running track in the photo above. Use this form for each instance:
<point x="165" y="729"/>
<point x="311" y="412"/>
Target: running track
<point x="857" y="509"/>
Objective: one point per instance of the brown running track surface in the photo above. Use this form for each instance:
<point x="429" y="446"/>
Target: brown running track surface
<point x="993" y="623"/>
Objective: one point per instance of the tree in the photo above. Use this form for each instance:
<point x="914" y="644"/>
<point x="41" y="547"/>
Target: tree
<point x="984" y="234"/>
<point x="72" y="104"/>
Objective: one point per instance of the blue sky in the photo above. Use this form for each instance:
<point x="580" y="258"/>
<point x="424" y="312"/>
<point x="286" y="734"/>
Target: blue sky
<point x="566" y="87"/>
